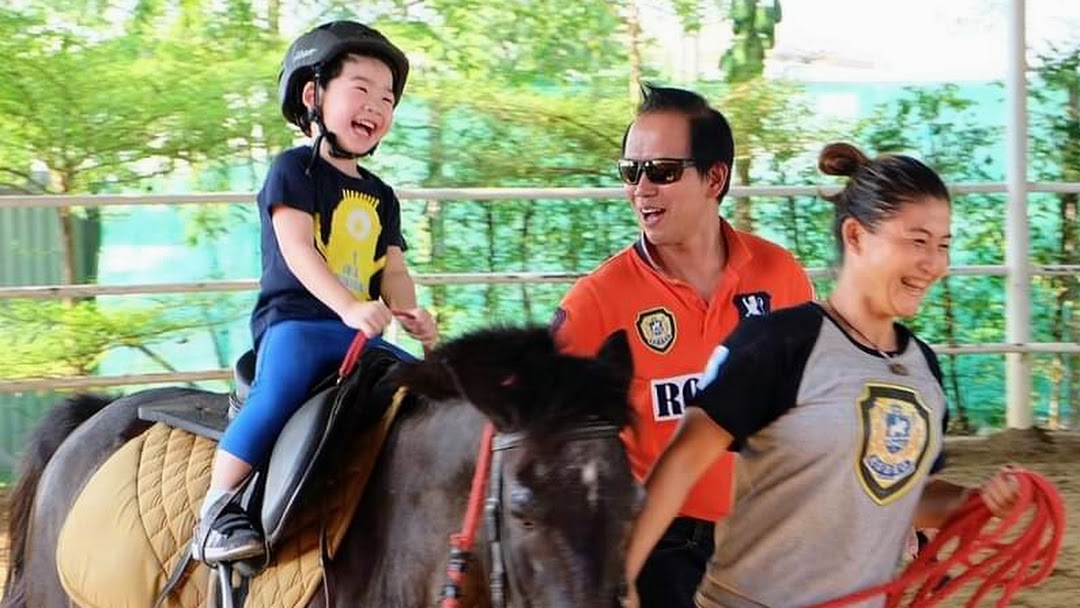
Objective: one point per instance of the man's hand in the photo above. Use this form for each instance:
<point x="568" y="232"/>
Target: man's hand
<point x="369" y="317"/>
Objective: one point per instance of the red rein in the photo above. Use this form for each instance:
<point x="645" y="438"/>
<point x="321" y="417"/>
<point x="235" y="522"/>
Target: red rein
<point x="461" y="543"/>
<point x="352" y="355"/>
<point x="980" y="551"/>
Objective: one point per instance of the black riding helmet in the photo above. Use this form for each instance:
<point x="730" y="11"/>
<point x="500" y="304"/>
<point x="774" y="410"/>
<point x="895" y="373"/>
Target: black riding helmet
<point x="310" y="52"/>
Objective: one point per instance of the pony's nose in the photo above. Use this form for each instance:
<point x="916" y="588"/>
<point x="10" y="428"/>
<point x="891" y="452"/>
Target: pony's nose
<point x="621" y="593"/>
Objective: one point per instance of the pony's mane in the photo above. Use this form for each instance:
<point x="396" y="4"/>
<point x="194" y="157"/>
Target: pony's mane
<point x="519" y="379"/>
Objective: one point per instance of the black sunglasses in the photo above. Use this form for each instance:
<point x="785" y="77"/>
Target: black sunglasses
<point x="660" y="171"/>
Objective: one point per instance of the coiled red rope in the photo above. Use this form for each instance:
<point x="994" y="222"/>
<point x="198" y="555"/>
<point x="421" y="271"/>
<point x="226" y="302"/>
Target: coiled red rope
<point x="982" y="552"/>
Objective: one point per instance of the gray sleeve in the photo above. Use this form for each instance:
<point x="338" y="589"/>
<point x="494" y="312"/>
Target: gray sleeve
<point x="935" y="368"/>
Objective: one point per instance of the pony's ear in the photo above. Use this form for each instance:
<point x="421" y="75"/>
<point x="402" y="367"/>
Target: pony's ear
<point x="427" y="377"/>
<point x="615" y="353"/>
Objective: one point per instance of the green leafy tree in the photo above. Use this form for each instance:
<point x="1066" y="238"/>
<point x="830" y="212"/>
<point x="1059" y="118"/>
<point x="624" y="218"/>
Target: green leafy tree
<point x="765" y="105"/>
<point x="1056" y="157"/>
<point x="771" y="122"/>
<point x="48" y="339"/>
<point x="754" y="24"/>
<point x="107" y="100"/>
<point x="105" y="107"/>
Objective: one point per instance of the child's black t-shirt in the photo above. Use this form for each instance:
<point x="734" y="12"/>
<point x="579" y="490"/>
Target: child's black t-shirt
<point x="355" y="220"/>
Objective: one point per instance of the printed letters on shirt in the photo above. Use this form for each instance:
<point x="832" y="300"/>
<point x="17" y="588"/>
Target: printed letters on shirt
<point x="670" y="395"/>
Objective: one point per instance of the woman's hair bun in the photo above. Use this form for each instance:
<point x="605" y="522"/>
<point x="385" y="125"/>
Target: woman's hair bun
<point x="840" y="158"/>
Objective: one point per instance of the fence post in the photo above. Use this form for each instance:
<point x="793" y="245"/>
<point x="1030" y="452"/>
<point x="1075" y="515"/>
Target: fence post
<point x="1019" y="412"/>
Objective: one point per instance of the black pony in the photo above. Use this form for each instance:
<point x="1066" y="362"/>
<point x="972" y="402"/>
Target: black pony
<point x="567" y="496"/>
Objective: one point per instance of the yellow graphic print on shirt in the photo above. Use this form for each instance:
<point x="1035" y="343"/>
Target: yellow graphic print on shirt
<point x="350" y="251"/>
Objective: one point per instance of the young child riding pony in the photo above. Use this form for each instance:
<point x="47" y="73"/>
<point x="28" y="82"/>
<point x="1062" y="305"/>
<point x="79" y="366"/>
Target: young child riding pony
<point x="332" y="256"/>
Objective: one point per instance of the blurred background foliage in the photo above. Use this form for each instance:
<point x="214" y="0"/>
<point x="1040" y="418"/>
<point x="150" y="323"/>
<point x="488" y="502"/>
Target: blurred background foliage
<point x="166" y="96"/>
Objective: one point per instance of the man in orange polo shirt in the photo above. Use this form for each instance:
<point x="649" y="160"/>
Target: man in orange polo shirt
<point x="678" y="291"/>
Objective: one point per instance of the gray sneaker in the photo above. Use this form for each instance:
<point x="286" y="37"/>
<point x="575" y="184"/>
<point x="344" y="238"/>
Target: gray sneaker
<point x="230" y="537"/>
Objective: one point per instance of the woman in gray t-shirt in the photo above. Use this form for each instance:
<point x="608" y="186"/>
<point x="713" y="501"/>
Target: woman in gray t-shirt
<point x="836" y="410"/>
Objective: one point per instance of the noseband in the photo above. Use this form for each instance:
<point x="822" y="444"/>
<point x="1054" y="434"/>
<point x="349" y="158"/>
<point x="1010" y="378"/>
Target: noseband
<point x="489" y="472"/>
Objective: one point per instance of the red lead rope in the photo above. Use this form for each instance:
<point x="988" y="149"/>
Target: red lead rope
<point x="461" y="543"/>
<point x="981" y="553"/>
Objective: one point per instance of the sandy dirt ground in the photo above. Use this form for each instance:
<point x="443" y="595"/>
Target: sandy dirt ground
<point x="1055" y="456"/>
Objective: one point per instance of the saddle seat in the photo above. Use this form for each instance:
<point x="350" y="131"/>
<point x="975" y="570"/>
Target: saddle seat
<point x="333" y="408"/>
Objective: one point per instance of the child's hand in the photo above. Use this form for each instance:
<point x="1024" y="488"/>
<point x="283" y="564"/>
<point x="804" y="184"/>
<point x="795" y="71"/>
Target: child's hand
<point x="1000" y="492"/>
<point x="368" y="317"/>
<point x="419" y="324"/>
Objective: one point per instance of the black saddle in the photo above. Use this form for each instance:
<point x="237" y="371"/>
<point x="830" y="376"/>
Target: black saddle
<point x="333" y="409"/>
<point x="209" y="420"/>
<point x="243" y="376"/>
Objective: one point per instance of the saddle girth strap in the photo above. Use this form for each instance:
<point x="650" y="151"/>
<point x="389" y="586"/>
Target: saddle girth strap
<point x="187" y="558"/>
<point x="175" y="577"/>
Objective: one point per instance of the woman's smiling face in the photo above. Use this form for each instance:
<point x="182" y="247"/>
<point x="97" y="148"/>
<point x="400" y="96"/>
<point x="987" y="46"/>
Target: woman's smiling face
<point x="903" y="256"/>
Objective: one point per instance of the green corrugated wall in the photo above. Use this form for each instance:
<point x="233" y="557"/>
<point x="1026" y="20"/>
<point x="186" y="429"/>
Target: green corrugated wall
<point x="30" y="254"/>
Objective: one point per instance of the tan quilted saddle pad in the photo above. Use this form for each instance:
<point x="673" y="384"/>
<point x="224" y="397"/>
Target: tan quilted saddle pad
<point x="130" y="525"/>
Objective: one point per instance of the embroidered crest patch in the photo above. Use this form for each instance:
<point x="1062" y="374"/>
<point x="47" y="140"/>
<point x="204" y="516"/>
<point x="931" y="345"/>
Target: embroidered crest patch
<point x="753" y="304"/>
<point x="656" y="328"/>
<point x="895" y="427"/>
<point x="557" y="320"/>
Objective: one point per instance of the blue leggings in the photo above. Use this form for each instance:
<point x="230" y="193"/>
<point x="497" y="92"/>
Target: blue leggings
<point x="293" y="356"/>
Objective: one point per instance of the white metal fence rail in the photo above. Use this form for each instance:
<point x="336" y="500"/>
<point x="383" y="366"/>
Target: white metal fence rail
<point x="493" y="195"/>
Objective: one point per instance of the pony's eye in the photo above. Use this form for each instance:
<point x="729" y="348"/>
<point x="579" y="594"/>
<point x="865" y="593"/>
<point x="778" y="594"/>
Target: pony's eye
<point x="522" y="507"/>
<point x="521" y="501"/>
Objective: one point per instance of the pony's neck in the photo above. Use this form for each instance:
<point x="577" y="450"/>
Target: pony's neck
<point x="422" y="476"/>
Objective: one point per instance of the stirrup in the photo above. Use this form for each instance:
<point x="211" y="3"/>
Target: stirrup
<point x="225" y="519"/>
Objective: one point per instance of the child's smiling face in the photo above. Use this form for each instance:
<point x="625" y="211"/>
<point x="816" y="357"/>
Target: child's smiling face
<point x="358" y="104"/>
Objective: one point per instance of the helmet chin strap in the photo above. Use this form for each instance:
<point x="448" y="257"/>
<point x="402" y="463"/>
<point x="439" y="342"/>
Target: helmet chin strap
<point x="324" y="134"/>
<point x="315" y="114"/>
<point x="335" y="150"/>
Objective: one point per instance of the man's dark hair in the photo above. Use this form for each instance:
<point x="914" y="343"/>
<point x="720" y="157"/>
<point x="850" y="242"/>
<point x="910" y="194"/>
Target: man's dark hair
<point x="711" y="141"/>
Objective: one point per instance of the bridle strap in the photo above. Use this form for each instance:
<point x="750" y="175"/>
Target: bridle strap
<point x="498" y="579"/>
<point x="486" y="490"/>
<point x="589" y="430"/>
